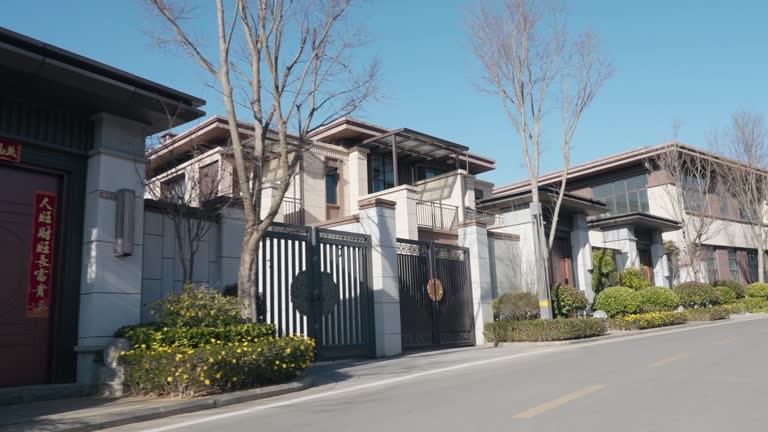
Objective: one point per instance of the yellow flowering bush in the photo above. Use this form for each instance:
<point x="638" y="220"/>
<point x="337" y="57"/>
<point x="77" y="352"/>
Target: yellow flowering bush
<point x="648" y="320"/>
<point x="160" y="370"/>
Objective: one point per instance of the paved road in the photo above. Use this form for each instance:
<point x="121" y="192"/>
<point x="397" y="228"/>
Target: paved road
<point x="700" y="379"/>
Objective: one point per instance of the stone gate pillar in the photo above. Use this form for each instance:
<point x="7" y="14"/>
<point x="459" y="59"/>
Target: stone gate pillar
<point x="377" y="219"/>
<point x="474" y="236"/>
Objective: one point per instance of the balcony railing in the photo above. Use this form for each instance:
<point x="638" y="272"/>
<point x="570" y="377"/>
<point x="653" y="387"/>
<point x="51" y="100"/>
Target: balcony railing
<point x="446" y="217"/>
<point x="293" y="211"/>
<point x="488" y="218"/>
<point x="436" y="215"/>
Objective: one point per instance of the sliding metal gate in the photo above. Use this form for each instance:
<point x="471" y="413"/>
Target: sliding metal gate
<point x="435" y="295"/>
<point x="317" y="282"/>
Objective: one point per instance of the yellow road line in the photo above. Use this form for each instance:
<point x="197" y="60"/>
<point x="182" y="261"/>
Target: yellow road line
<point x="557" y="402"/>
<point x="727" y="341"/>
<point x="662" y="362"/>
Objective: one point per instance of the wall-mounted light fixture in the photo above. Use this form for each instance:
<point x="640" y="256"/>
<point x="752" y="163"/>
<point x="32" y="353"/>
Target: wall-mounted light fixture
<point x="124" y="222"/>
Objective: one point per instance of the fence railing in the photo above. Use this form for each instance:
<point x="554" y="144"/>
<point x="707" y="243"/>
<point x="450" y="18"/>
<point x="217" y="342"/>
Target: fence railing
<point x="490" y="219"/>
<point x="293" y="211"/>
<point x="436" y="215"/>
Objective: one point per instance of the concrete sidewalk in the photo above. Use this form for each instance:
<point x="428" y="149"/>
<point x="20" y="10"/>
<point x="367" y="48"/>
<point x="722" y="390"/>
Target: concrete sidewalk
<point x="93" y="413"/>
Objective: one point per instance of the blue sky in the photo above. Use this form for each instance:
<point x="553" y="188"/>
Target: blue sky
<point x="694" y="61"/>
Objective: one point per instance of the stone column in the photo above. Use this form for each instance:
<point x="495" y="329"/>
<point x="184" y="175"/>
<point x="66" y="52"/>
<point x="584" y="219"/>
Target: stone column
<point x="110" y="286"/>
<point x="581" y="251"/>
<point x="268" y="194"/>
<point x="377" y="219"/>
<point x="474" y="236"/>
<point x="358" y="174"/>
<point x="660" y="270"/>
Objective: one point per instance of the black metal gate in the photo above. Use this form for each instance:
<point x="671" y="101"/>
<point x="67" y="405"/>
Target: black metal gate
<point x="317" y="282"/>
<point x="435" y="295"/>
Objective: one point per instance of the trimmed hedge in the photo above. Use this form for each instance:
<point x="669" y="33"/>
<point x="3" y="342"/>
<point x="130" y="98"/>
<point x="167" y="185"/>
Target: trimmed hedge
<point x="568" y="300"/>
<point x="758" y="290"/>
<point x="633" y="278"/>
<point x="727" y="296"/>
<point x="733" y="285"/>
<point x="753" y="304"/>
<point x="648" y="320"/>
<point x="658" y="299"/>
<point x="616" y="301"/>
<point x="541" y="331"/>
<point x="736" y="308"/>
<point x="708" y="313"/>
<point x="696" y="295"/>
<point x="214" y="368"/>
<point x="197" y="307"/>
<point x="192" y="337"/>
<point x="516" y="306"/>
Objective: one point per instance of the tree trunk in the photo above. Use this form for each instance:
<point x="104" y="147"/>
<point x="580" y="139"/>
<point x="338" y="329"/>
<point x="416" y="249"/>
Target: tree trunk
<point x="761" y="264"/>
<point x="246" y="279"/>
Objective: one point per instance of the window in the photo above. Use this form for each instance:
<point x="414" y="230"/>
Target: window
<point x="712" y="272"/>
<point x="427" y="172"/>
<point x="479" y="194"/>
<point x="694" y="194"/>
<point x="209" y="184"/>
<point x="174" y="190"/>
<point x="724" y="205"/>
<point x="752" y="266"/>
<point x="628" y="195"/>
<point x="331" y="186"/>
<point x="382" y="174"/>
<point x="733" y="265"/>
<point x="743" y="214"/>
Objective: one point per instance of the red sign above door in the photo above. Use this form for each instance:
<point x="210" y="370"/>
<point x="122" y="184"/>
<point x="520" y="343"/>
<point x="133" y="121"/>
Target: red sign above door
<point x="10" y="150"/>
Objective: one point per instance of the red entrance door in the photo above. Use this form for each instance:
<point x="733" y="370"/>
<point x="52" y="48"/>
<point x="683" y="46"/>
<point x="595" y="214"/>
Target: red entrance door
<point x="561" y="262"/>
<point x="24" y="341"/>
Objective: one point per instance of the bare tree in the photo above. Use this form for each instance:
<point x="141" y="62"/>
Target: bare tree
<point x="189" y="194"/>
<point x="691" y="178"/>
<point x="526" y="54"/>
<point x="745" y="142"/>
<point x="286" y="66"/>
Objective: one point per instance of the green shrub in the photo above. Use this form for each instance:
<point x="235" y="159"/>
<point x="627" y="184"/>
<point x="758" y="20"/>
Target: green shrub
<point x="708" y="313"/>
<point x="568" y="301"/>
<point x="603" y="270"/>
<point x="753" y="304"/>
<point x="616" y="301"/>
<point x="733" y="285"/>
<point x="696" y="294"/>
<point x="758" y="290"/>
<point x="633" y="278"/>
<point x="658" y="299"/>
<point x="736" y="308"/>
<point x="727" y="295"/>
<point x="540" y="331"/>
<point x="648" y="320"/>
<point x="197" y="307"/>
<point x="516" y="306"/>
<point x="214" y="368"/>
<point x="192" y="337"/>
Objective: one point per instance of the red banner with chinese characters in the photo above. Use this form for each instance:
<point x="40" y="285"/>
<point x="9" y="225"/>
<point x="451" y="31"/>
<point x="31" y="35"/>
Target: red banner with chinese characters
<point x="10" y="150"/>
<point x="41" y="268"/>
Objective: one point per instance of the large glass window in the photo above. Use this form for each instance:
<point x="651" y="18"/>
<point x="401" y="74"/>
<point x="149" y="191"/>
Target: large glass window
<point x="628" y="195"/>
<point x="427" y="172"/>
<point x="712" y="272"/>
<point x="694" y="194"/>
<point x="174" y="190"/>
<point x="752" y="266"/>
<point x="382" y="174"/>
<point x="724" y="205"/>
<point x="733" y="265"/>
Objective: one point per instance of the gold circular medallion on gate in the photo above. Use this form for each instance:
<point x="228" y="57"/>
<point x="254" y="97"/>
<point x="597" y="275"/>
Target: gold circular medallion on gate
<point x="435" y="289"/>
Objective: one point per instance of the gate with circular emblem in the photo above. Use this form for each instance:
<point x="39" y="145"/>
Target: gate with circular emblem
<point x="435" y="295"/>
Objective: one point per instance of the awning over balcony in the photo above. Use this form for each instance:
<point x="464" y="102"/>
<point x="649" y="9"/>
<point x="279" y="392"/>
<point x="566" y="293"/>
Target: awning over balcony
<point x="637" y="220"/>
<point x="407" y="145"/>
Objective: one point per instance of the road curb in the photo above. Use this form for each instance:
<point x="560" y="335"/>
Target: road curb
<point x="184" y="407"/>
<point x="630" y="333"/>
